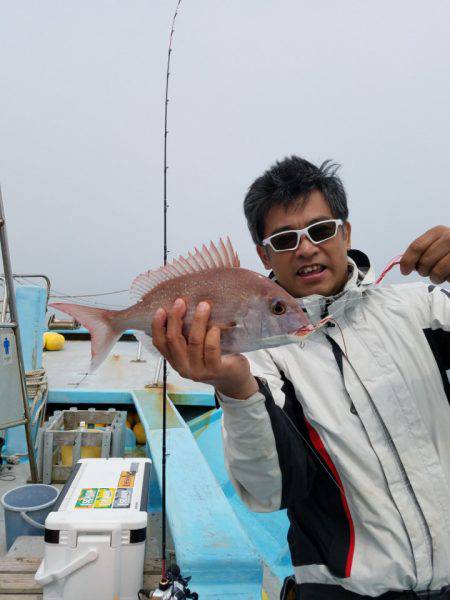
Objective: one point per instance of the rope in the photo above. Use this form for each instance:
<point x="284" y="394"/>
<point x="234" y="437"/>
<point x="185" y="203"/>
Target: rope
<point x="37" y="392"/>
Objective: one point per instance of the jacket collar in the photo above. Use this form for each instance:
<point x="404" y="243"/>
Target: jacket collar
<point x="360" y="277"/>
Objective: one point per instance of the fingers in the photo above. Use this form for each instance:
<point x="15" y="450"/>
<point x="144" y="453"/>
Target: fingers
<point x="212" y="350"/>
<point x="167" y="336"/>
<point x="175" y="340"/>
<point x="200" y="358"/>
<point x="159" y="332"/>
<point x="196" y="340"/>
<point x="186" y="357"/>
<point x="436" y="254"/>
<point x="429" y="254"/>
<point x="416" y="249"/>
<point x="441" y="271"/>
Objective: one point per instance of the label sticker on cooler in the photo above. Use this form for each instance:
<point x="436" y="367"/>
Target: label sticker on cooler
<point x="123" y="498"/>
<point x="86" y="498"/>
<point x="127" y="479"/>
<point x="105" y="497"/>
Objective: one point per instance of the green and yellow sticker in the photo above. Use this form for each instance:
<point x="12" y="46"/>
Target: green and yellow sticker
<point x="105" y="498"/>
<point x="86" y="498"/>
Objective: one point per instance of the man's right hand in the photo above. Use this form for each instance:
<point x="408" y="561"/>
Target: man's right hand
<point x="199" y="358"/>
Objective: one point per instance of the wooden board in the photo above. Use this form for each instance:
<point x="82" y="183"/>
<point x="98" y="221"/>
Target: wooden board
<point x="20" y="596"/>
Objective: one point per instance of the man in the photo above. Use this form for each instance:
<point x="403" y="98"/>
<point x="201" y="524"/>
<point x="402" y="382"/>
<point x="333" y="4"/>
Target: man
<point x="351" y="430"/>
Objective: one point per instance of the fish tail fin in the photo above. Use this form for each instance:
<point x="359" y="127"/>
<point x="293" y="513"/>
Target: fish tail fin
<point x="101" y="325"/>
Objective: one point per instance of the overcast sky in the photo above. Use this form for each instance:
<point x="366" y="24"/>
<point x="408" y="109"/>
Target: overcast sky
<point x="365" y="83"/>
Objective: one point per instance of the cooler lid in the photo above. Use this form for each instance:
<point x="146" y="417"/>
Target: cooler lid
<point x="104" y="491"/>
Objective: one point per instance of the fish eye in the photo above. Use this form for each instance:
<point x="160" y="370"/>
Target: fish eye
<point x="277" y="307"/>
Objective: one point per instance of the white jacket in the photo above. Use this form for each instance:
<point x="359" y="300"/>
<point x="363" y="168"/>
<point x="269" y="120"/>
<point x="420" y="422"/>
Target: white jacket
<point x="351" y="433"/>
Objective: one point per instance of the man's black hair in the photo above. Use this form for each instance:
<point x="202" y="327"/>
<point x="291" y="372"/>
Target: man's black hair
<point x="288" y="181"/>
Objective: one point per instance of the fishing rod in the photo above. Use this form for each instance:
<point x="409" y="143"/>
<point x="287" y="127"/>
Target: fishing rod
<point x="172" y="583"/>
<point x="164" y="579"/>
<point x="164" y="437"/>
<point x="167" y="581"/>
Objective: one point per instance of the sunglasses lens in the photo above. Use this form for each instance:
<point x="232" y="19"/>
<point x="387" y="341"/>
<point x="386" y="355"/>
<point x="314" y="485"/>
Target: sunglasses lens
<point x="285" y="241"/>
<point x="322" y="231"/>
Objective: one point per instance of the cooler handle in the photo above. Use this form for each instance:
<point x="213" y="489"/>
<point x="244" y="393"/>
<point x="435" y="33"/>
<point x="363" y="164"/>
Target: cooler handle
<point x="81" y="561"/>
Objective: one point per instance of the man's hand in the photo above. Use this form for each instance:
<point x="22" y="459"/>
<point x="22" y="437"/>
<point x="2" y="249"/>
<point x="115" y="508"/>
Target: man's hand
<point x="199" y="358"/>
<point x="429" y="255"/>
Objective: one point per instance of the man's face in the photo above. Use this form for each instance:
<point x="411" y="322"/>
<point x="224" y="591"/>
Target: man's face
<point x="289" y="266"/>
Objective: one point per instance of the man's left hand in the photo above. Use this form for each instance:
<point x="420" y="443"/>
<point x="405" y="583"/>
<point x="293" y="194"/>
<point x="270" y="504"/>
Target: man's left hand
<point x="429" y="255"/>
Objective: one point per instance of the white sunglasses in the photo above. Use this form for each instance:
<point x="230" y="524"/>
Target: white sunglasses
<point x="316" y="233"/>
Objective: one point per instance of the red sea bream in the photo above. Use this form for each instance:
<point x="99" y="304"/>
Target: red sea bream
<point x="252" y="311"/>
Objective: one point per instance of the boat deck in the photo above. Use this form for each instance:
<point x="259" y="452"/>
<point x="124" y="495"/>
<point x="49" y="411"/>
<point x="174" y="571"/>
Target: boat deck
<point x="69" y="368"/>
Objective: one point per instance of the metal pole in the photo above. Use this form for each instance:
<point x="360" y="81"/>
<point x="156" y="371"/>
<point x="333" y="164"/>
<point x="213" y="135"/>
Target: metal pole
<point x="14" y="317"/>
<point x="34" y="276"/>
<point x="139" y="358"/>
<point x="157" y="372"/>
<point x="20" y="276"/>
<point x="5" y="299"/>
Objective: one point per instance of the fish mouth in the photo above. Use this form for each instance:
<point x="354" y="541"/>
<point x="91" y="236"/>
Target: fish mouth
<point x="303" y="331"/>
<point x="308" y="329"/>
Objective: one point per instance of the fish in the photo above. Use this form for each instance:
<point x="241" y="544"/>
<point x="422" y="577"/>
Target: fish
<point x="252" y="310"/>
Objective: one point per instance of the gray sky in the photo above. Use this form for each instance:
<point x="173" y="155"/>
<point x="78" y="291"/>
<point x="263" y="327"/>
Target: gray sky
<point x="81" y="121"/>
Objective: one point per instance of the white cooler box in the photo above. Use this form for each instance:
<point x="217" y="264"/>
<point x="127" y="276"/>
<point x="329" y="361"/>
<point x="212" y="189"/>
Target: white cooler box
<point x="95" y="536"/>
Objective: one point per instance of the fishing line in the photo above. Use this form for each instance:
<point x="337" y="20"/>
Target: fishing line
<point x="164" y="393"/>
<point x="342" y="335"/>
<point x="92" y="303"/>
<point x="62" y="295"/>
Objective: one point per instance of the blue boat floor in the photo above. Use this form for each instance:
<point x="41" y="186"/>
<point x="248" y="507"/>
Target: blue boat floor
<point x="69" y="368"/>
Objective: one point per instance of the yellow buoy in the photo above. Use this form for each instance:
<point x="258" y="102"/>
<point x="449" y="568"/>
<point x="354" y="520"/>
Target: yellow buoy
<point x="139" y="433"/>
<point x="131" y="419"/>
<point x="53" y="341"/>
<point x="86" y="452"/>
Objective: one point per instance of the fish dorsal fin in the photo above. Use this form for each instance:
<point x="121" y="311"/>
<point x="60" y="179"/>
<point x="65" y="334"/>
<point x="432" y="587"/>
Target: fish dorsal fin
<point x="215" y="257"/>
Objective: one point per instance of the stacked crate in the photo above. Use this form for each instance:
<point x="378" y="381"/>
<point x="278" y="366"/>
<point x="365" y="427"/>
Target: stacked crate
<point x="78" y="434"/>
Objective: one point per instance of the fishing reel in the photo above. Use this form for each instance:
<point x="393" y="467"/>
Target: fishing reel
<point x="173" y="587"/>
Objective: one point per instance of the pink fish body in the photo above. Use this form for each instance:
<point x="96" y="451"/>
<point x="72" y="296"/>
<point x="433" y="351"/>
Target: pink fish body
<point x="252" y="311"/>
